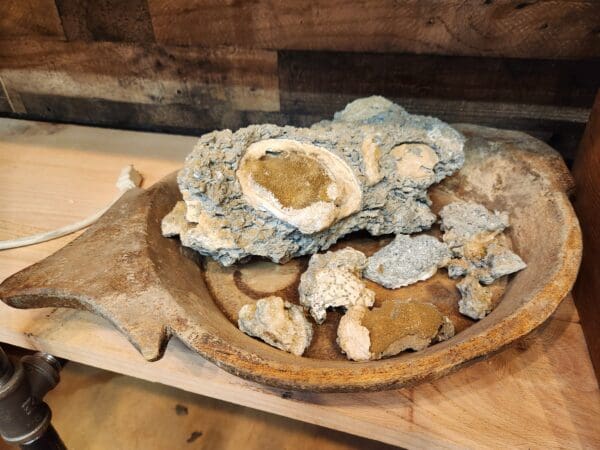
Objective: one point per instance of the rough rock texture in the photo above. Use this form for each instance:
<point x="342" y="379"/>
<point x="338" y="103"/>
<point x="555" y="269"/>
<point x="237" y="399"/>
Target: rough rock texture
<point x="396" y="326"/>
<point x="464" y="221"/>
<point x="332" y="280"/>
<point x="476" y="300"/>
<point x="282" y="192"/>
<point x="278" y="323"/>
<point x="407" y="260"/>
<point x="480" y="251"/>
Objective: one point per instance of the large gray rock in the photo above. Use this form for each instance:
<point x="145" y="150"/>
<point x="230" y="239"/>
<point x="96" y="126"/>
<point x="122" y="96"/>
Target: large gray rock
<point x="282" y="192"/>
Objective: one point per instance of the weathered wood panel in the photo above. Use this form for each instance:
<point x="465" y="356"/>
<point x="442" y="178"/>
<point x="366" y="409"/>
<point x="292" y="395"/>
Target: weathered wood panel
<point x="223" y="80"/>
<point x="587" y="204"/>
<point x="509" y="80"/>
<point x="29" y="18"/>
<point x="4" y="102"/>
<point x="549" y="99"/>
<point x="514" y="28"/>
<point x="192" y="89"/>
<point x="106" y="20"/>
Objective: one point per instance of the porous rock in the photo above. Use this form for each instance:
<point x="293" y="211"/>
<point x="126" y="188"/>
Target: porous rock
<point x="278" y="323"/>
<point x="476" y="300"/>
<point x="407" y="260"/>
<point x="282" y="192"/>
<point x="333" y="280"/>
<point x="480" y="253"/>
<point x="396" y="326"/>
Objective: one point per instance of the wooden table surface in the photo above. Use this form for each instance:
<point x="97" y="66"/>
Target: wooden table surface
<point x="542" y="393"/>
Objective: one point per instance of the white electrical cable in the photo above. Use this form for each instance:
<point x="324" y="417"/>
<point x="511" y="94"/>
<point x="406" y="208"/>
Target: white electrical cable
<point x="129" y="178"/>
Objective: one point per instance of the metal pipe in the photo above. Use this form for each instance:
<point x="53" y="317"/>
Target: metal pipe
<point x="24" y="417"/>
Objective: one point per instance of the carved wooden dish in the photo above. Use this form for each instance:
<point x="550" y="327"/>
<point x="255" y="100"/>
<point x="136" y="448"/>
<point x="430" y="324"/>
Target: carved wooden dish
<point x="151" y="288"/>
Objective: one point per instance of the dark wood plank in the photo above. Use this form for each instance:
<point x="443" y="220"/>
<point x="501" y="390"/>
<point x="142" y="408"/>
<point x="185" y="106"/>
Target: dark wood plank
<point x="229" y="79"/>
<point x="29" y="18"/>
<point x="587" y="204"/>
<point x="106" y="20"/>
<point x="515" y="28"/>
<point x="508" y="80"/>
<point x="190" y="119"/>
<point x="548" y="99"/>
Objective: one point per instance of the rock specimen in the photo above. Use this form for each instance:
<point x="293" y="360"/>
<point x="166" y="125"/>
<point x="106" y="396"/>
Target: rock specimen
<point x="333" y="280"/>
<point x="282" y="192"/>
<point x="396" y="326"/>
<point x="480" y="253"/>
<point x="278" y="323"/>
<point x="407" y="260"/>
<point x="476" y="300"/>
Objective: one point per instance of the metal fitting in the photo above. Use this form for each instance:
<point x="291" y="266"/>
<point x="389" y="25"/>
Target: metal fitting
<point x="24" y="417"/>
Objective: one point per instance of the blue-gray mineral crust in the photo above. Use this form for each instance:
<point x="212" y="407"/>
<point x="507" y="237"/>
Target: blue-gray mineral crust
<point x="407" y="260"/>
<point x="282" y="192"/>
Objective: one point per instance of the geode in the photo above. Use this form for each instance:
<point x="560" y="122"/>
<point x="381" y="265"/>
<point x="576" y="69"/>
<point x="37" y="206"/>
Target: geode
<point x="282" y="192"/>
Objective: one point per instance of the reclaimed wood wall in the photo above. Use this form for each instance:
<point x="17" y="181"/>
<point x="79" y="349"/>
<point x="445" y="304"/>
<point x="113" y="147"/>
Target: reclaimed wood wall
<point x="189" y="66"/>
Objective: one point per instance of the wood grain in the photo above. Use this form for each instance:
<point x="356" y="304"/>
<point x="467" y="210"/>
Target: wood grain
<point x="4" y="102"/>
<point x="106" y="20"/>
<point x="30" y="18"/>
<point x="515" y="28"/>
<point x="587" y="204"/>
<point x="541" y="394"/>
<point x="566" y="83"/>
<point x="171" y="419"/>
<point x="143" y="87"/>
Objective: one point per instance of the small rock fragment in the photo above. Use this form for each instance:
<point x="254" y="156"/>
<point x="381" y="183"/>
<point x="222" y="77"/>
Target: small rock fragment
<point x="462" y="221"/>
<point x="480" y="251"/>
<point x="352" y="337"/>
<point x="476" y="300"/>
<point x="407" y="260"/>
<point x="333" y="280"/>
<point x="498" y="262"/>
<point x="278" y="323"/>
<point x="396" y="326"/>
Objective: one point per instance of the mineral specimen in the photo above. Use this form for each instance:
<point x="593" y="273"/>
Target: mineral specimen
<point x="278" y="323"/>
<point x="282" y="192"/>
<point x="407" y="260"/>
<point x="396" y="326"/>
<point x="476" y="300"/>
<point x="463" y="222"/>
<point x="333" y="280"/>
<point x="480" y="251"/>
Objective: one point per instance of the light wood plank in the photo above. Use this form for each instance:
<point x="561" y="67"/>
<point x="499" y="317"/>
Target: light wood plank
<point x="539" y="394"/>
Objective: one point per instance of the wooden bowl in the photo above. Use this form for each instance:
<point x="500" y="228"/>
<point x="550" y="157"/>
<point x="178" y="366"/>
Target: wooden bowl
<point x="151" y="288"/>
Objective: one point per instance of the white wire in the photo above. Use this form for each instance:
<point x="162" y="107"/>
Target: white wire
<point x="128" y="179"/>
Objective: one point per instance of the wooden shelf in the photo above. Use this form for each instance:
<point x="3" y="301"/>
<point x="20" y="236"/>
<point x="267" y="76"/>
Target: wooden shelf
<point x="540" y="393"/>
